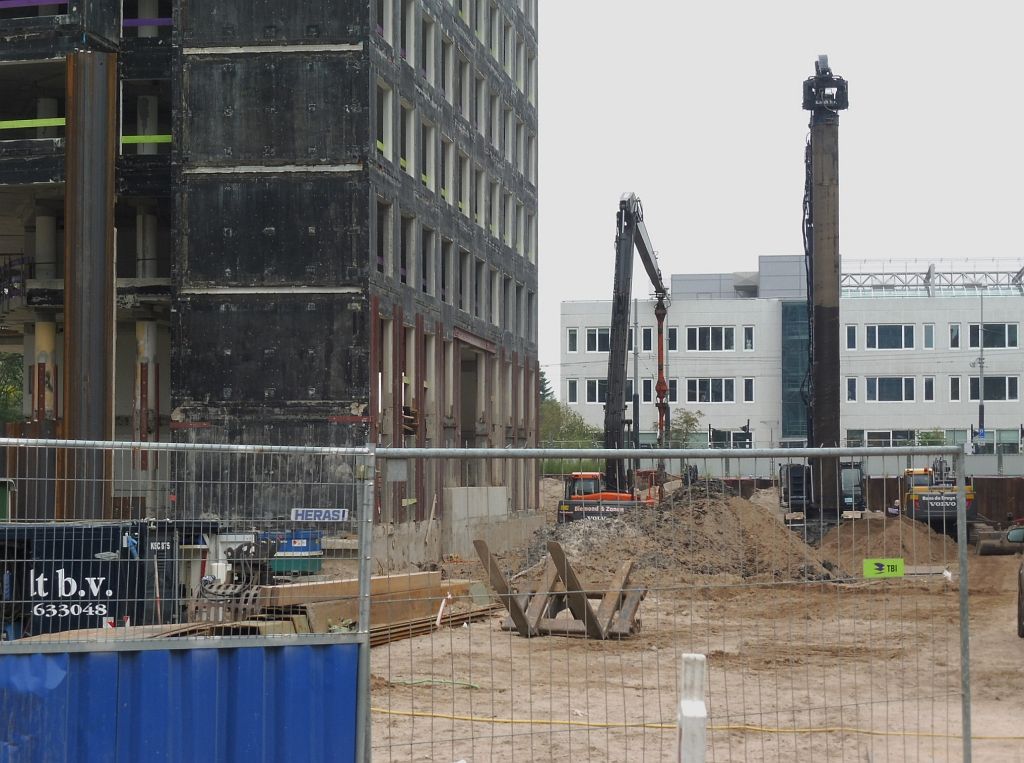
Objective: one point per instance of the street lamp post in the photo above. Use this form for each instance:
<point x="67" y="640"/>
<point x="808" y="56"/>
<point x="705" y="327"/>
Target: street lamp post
<point x="980" y="364"/>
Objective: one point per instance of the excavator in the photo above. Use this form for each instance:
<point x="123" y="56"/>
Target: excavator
<point x="593" y="494"/>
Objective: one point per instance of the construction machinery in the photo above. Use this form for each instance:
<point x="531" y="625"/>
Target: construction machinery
<point x="797" y="491"/>
<point x="930" y="495"/>
<point x="586" y="495"/>
<point x="631" y="234"/>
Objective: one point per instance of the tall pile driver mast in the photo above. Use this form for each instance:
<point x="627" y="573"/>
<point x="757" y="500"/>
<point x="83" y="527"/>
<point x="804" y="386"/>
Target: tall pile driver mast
<point x="630" y="232"/>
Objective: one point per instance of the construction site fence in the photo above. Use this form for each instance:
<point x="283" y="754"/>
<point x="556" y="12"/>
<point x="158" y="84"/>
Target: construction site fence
<point x="155" y="594"/>
<point x="834" y="627"/>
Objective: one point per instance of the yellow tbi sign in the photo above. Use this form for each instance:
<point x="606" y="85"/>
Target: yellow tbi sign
<point x="883" y="568"/>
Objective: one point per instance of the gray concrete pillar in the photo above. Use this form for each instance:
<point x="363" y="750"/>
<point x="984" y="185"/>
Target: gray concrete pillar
<point x="145" y="245"/>
<point x="47" y="108"/>
<point x="148" y="9"/>
<point x="45" y="370"/>
<point x="46" y="246"/>
<point x="146" y="121"/>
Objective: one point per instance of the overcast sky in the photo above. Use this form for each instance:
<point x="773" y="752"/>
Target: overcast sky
<point x="697" y="108"/>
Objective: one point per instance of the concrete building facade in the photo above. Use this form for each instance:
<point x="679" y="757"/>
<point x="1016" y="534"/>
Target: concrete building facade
<point x="737" y="352"/>
<point x="323" y="218"/>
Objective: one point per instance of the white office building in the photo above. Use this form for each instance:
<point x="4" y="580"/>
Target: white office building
<point x="913" y="360"/>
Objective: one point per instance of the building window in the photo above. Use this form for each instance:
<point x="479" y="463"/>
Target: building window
<point x="428" y="158"/>
<point x="429" y="42"/>
<point x="408" y="30"/>
<point x="462" y="87"/>
<point x="446" y="270"/>
<point x="647" y="337"/>
<point x="648" y="390"/>
<point x="890" y="336"/>
<point x="465" y="280"/>
<point x="851" y="389"/>
<point x="405" y="251"/>
<point x="710" y="338"/>
<point x="426" y="273"/>
<point x="572" y="393"/>
<point x="673" y="390"/>
<point x="597" y="340"/>
<point x="673" y="339"/>
<point x="383" y="18"/>
<point x="384" y="121"/>
<point x="996" y="335"/>
<point x="748" y="338"/>
<point x="954" y="389"/>
<point x="447" y="170"/>
<point x="597" y="390"/>
<point x="890" y="389"/>
<point x="710" y="391"/>
<point x="629" y="390"/>
<point x="462" y="184"/>
<point x="954" y="336"/>
<point x="851" y="337"/>
<point x="383" y="237"/>
<point x="929" y="336"/>
<point x="573" y="338"/>
<point x="929" y="388"/>
<point x="996" y="388"/>
<point x="407" y="148"/>
<point x="480" y="197"/>
<point x="447" y="68"/>
<point x="748" y="390"/>
<point x="629" y="340"/>
<point x="480" y="114"/>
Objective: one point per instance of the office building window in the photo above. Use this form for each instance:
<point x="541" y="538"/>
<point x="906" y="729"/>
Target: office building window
<point x="851" y="337"/>
<point x="648" y="390"/>
<point x="890" y="336"/>
<point x="597" y="390"/>
<point x="710" y="338"/>
<point x="748" y="390"/>
<point x="673" y="390"/>
<point x="597" y="340"/>
<point x="710" y="390"/>
<point x="890" y="389"/>
<point x="997" y="388"/>
<point x="673" y="339"/>
<point x="573" y="340"/>
<point x="929" y="388"/>
<point x="572" y="393"/>
<point x="647" y="335"/>
<point x="954" y="389"/>
<point x="929" y="336"/>
<point x="748" y="338"/>
<point x="996" y="335"/>
<point x="851" y="389"/>
<point x="954" y="336"/>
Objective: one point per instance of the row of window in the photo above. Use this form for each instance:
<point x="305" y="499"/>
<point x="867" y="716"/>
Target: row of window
<point x="417" y="44"/>
<point x="902" y="336"/>
<point x="899" y="389"/>
<point x="442" y="168"/>
<point x="698" y="339"/>
<point x="435" y="265"/>
<point x="699" y="390"/>
<point x="996" y="441"/>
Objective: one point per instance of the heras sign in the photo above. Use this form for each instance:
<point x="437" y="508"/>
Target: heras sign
<point x="319" y="515"/>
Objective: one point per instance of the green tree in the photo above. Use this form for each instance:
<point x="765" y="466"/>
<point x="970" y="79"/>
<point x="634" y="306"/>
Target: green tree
<point x="933" y="437"/>
<point x="546" y="393"/>
<point x="683" y="426"/>
<point x="11" y="372"/>
<point x="561" y="424"/>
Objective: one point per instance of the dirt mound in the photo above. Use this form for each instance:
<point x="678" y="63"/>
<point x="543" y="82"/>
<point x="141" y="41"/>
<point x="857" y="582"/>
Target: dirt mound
<point x="697" y="531"/>
<point x="851" y="543"/>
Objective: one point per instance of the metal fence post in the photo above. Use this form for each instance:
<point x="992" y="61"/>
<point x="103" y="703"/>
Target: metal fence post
<point x="693" y="713"/>
<point x="965" y="650"/>
<point x="365" y="480"/>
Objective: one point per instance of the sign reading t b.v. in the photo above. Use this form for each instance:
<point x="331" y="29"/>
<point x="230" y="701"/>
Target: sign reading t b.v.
<point x="883" y="568"/>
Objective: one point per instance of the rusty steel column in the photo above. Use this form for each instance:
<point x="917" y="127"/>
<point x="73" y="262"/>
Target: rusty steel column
<point x="89" y="275"/>
<point x="825" y="95"/>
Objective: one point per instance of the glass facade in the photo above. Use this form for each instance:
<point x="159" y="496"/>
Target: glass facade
<point x="794" y="369"/>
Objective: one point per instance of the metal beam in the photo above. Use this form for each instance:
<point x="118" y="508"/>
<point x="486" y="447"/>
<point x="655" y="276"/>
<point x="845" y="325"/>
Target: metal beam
<point x="89" y="276"/>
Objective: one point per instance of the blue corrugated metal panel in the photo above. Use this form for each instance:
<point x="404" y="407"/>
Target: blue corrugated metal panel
<point x="246" y="704"/>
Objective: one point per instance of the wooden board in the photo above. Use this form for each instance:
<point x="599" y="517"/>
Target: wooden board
<point x="575" y="596"/>
<point x="385" y="608"/>
<point x="610" y="603"/>
<point x="289" y="594"/>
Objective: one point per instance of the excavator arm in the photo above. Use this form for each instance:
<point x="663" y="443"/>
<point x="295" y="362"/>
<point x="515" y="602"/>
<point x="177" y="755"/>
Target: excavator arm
<point x="630" y="234"/>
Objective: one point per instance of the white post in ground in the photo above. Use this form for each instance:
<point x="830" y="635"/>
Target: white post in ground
<point x="693" y="713"/>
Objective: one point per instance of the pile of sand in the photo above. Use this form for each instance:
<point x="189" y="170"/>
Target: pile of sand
<point x="916" y="543"/>
<point x="702" y="530"/>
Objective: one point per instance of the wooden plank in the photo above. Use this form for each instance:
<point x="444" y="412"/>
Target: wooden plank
<point x="502" y="588"/>
<point x="385" y="608"/>
<point x="625" y="623"/>
<point x="575" y="596"/>
<point x="613" y="597"/>
<point x="539" y="601"/>
<point x="288" y="594"/>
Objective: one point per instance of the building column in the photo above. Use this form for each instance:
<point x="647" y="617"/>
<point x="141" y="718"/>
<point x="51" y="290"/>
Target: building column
<point x="46" y="370"/>
<point x="47" y="108"/>
<point x="146" y="119"/>
<point x="148" y="9"/>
